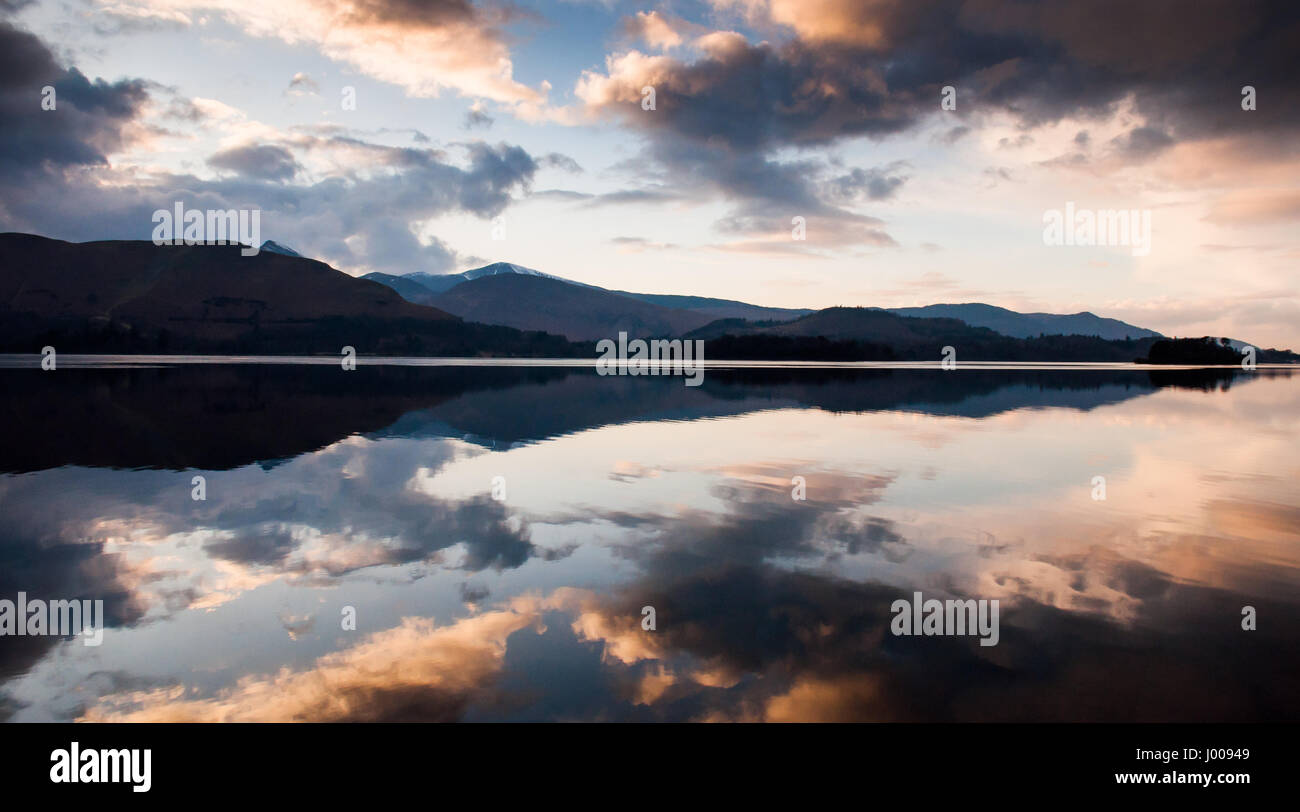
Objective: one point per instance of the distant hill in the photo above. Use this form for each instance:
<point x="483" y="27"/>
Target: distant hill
<point x="407" y="288"/>
<point x="414" y="286"/>
<point x="577" y="312"/>
<point x="851" y="324"/>
<point x="1203" y="350"/>
<point x="871" y="334"/>
<point x="434" y="283"/>
<point x="870" y="324"/>
<point x="440" y="283"/>
<point x="1029" y="325"/>
<point x="134" y="296"/>
<point x="999" y="319"/>
<point x="719" y="308"/>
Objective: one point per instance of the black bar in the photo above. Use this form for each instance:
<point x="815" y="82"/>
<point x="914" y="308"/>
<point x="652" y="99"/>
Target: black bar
<point x="999" y="762"/>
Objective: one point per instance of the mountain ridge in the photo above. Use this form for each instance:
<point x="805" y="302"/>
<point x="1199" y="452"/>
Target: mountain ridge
<point x="1026" y="325"/>
<point x="579" y="313"/>
<point x="136" y="296"/>
<point x="1002" y="320"/>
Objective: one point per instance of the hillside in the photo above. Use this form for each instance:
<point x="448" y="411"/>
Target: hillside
<point x="136" y="296"/>
<point x="719" y="308"/>
<point x="441" y="283"/>
<point x="1028" y="325"/>
<point x="870" y="334"/>
<point x="558" y="311"/>
<point x="577" y="312"/>
<point x="407" y="288"/>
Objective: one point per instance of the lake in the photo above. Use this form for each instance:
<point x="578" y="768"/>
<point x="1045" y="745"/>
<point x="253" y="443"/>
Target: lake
<point x="463" y="541"/>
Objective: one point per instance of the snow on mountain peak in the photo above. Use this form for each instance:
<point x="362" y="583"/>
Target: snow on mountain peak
<point x="502" y="267"/>
<point x="275" y="248"/>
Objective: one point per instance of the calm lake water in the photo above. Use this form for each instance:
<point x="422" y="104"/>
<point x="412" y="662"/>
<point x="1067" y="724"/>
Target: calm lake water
<point x="496" y="532"/>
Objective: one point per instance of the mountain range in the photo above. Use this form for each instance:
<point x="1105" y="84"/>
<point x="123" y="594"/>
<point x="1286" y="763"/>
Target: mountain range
<point x="1028" y="325"/>
<point x="135" y="296"/>
<point x="437" y="283"/>
<point x="580" y="311"/>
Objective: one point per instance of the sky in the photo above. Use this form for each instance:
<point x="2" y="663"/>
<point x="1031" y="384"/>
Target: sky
<point x="798" y="153"/>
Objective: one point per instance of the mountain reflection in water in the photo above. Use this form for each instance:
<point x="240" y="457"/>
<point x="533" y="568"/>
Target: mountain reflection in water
<point x="373" y="490"/>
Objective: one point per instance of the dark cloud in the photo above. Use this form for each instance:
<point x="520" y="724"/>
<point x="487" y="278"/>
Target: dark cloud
<point x="303" y="83"/>
<point x="494" y="173"/>
<point x="473" y="593"/>
<point x="430" y="13"/>
<point x="58" y="554"/>
<point x="557" y="160"/>
<point x="48" y="567"/>
<point x="89" y="119"/>
<point x="567" y="195"/>
<point x="1142" y="142"/>
<point x="270" y="545"/>
<point x="843" y="69"/>
<point x="876" y="183"/>
<point x="477" y="118"/>
<point x="757" y="621"/>
<point x="414" y="529"/>
<point x="265" y="161"/>
<point x="955" y="134"/>
<point x="717" y="121"/>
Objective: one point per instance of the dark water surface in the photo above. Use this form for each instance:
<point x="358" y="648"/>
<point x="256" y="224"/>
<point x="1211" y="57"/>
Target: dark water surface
<point x="373" y="490"/>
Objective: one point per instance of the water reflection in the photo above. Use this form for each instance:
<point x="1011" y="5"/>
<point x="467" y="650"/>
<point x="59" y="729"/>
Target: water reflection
<point x="373" y="490"/>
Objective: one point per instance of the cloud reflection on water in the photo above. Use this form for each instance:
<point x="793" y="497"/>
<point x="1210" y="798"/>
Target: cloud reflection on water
<point x="767" y="608"/>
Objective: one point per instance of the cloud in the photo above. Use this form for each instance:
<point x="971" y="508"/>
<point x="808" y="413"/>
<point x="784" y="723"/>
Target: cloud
<point x="301" y="83"/>
<point x="954" y="134"/>
<point x="1256" y="207"/>
<point x="413" y="672"/>
<point x="123" y="19"/>
<point x="477" y="117"/>
<point x="636" y="245"/>
<point x="564" y="163"/>
<point x="1142" y="142"/>
<point x="353" y="217"/>
<point x="360" y="209"/>
<point x="265" y="162"/>
<point x="659" y="31"/>
<point x="739" y="119"/>
<point x="876" y="183"/>
<point x="423" y="47"/>
<point x="718" y="119"/>
<point x="90" y="119"/>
